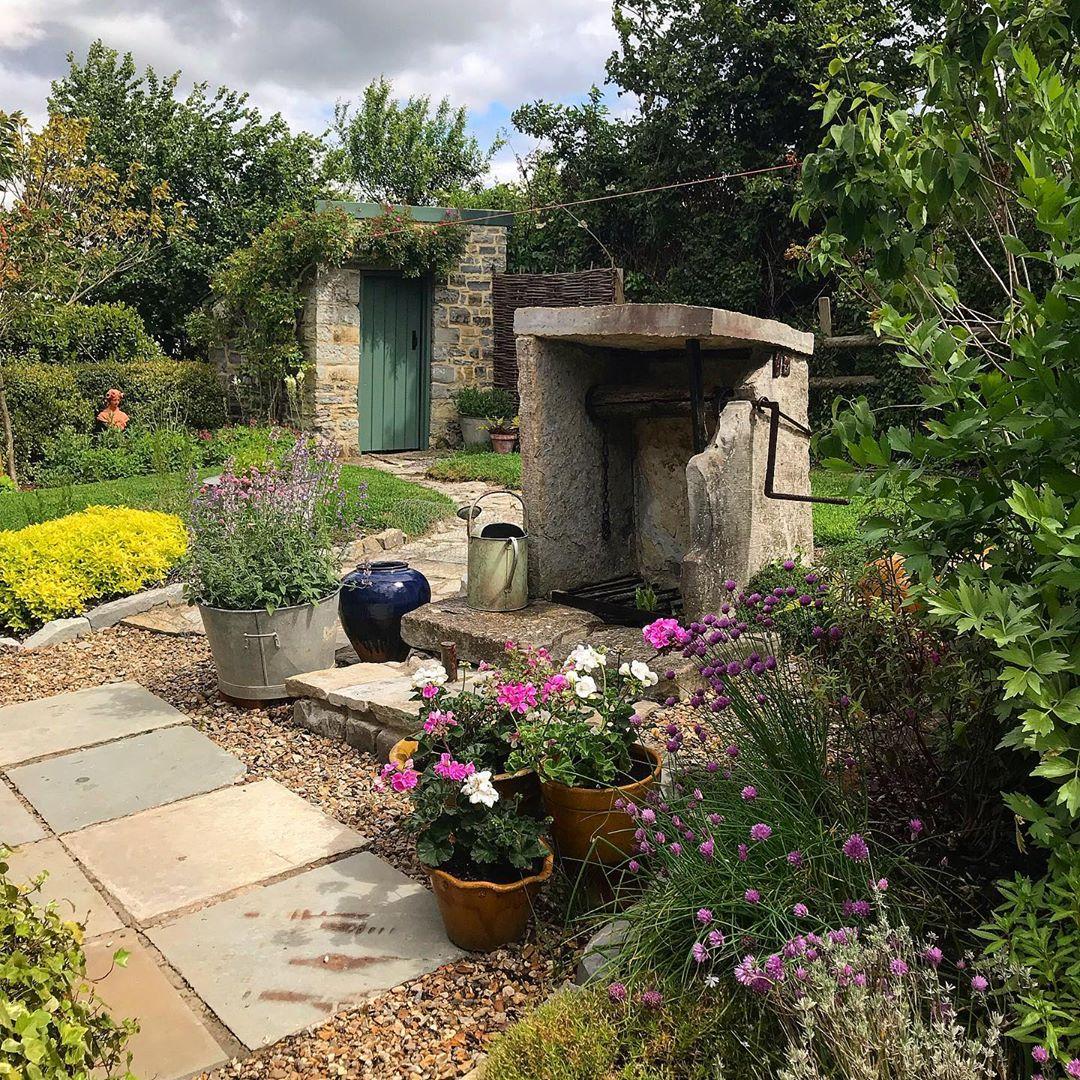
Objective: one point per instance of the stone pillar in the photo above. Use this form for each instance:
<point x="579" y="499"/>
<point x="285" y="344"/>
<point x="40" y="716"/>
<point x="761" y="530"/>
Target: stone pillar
<point x="735" y="529"/>
<point x="463" y="341"/>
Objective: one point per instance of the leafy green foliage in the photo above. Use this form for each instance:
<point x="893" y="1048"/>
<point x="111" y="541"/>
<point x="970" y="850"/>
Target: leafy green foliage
<point x="258" y="291"/>
<point x="579" y="1034"/>
<point x="480" y="402"/>
<point x="394" y="153"/>
<point x="233" y="169"/>
<point x="1038" y="929"/>
<point x="78" y="334"/>
<point x="46" y="399"/>
<point x="986" y="492"/>
<point x="51" y="1025"/>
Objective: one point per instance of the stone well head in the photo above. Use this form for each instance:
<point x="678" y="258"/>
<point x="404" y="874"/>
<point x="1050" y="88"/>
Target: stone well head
<point x="645" y="445"/>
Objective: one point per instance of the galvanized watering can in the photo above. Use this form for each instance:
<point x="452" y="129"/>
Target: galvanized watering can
<point x="498" y="561"/>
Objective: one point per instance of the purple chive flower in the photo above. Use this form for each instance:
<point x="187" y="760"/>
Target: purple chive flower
<point x="749" y="793"/>
<point x="760" y="831"/>
<point x="774" y="967"/>
<point x="752" y="896"/>
<point x="648" y="816"/>
<point x="617" y="992"/>
<point x="933" y="956"/>
<point x="1040" y="1054"/>
<point x="795" y="858"/>
<point x="633" y="866"/>
<point x="716" y="938"/>
<point x="855" y="848"/>
<point x="882" y="885"/>
<point x="916" y="826"/>
<point x="704" y="916"/>
<point x="1073" y="1068"/>
<point x="652" y="999"/>
<point x="744" y="852"/>
<point x="789" y="564"/>
<point x="979" y="984"/>
<point x="800" y="911"/>
<point x="699" y="953"/>
<point x="707" y="848"/>
<point x="898" y="967"/>
<point x="676" y="849"/>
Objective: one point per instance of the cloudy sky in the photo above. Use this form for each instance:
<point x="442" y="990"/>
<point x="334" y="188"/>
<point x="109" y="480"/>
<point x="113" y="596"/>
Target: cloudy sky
<point x="299" y="57"/>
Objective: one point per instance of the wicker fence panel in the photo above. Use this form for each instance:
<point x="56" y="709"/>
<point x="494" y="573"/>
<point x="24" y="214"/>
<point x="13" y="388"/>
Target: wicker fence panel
<point x="511" y="291"/>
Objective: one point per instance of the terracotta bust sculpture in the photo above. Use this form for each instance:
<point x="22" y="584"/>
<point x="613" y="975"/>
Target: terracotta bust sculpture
<point x="112" y="416"/>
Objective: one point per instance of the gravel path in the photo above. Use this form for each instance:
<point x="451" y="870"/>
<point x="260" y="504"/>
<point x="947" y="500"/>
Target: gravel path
<point x="434" y="1027"/>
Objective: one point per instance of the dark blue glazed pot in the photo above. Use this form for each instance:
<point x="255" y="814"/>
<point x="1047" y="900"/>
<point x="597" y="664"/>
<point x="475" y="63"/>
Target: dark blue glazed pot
<point x="373" y="599"/>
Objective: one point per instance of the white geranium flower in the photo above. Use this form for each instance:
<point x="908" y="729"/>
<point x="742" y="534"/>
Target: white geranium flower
<point x="479" y="788"/>
<point x="432" y="672"/>
<point x="585" y="686"/>
<point x="586" y="658"/>
<point x="643" y="673"/>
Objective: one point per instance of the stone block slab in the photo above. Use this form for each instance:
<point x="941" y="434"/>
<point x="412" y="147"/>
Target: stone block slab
<point x="179" y="621"/>
<point x="58" y="631"/>
<point x="482" y="635"/>
<point x="320" y="718"/>
<point x="319" y="684"/>
<point x="123" y="777"/>
<point x="173" y="856"/>
<point x="116" y="610"/>
<point x="285" y="956"/>
<point x="76" y="898"/>
<point x="172" y="1042"/>
<point x="53" y="725"/>
<point x="17" y="824"/>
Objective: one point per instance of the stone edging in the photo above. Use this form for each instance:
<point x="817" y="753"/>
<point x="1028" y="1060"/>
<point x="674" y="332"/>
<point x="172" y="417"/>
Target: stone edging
<point x="97" y="618"/>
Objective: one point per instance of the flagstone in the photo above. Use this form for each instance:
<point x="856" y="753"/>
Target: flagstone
<point x="75" y="896"/>
<point x="167" y="858"/>
<point x="52" y="725"/>
<point x="17" y="824"/>
<point x="122" y="777"/>
<point x="284" y="956"/>
<point x="172" y="1041"/>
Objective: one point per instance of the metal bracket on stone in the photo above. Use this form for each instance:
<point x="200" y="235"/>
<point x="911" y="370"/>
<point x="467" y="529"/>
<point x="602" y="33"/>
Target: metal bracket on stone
<point x="763" y="404"/>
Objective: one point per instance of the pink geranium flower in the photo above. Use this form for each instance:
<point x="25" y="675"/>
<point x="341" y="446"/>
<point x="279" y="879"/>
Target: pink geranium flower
<point x="661" y="633"/>
<point x="449" y="769"/>
<point x="518" y="697"/>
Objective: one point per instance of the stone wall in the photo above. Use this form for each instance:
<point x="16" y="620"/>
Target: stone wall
<point x="461" y="352"/>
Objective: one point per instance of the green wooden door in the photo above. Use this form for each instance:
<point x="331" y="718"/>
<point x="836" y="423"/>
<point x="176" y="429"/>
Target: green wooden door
<point x="395" y="341"/>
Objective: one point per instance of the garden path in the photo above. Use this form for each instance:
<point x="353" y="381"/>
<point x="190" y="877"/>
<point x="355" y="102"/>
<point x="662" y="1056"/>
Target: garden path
<point x="248" y="913"/>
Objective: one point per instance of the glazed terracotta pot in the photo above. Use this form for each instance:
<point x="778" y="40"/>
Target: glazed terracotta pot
<point x="524" y="782"/>
<point x="482" y="915"/>
<point x="585" y="824"/>
<point x="373" y="600"/>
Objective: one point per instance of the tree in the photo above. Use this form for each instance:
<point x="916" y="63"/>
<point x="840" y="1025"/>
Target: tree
<point x="70" y="226"/>
<point x="721" y="86"/>
<point x="234" y="170"/>
<point x="389" y="152"/>
<point x="978" y="166"/>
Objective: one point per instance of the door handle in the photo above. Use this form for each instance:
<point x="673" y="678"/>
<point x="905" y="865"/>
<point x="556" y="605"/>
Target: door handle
<point x="414" y="339"/>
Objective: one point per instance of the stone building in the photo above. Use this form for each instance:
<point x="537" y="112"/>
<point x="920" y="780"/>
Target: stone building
<point x="385" y="352"/>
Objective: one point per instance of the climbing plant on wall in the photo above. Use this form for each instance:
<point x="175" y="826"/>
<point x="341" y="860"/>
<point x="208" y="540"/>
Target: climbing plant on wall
<point x="258" y="291"/>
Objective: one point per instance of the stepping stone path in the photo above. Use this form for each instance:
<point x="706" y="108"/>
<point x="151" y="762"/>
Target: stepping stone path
<point x="248" y="913"/>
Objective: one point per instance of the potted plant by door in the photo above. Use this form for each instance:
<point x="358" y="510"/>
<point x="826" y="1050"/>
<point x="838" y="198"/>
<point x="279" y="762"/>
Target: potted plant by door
<point x="474" y="405"/>
<point x="503" y="432"/>
<point x="486" y="859"/>
<point x="583" y="745"/>
<point x="262" y="565"/>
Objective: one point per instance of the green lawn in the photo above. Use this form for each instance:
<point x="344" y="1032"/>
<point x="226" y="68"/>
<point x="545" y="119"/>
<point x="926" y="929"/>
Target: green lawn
<point x="834" y="525"/>
<point x="391" y="502"/>
<point x="501" y="469"/>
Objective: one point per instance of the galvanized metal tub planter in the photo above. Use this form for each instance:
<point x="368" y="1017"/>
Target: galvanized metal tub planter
<point x="474" y="430"/>
<point x="256" y="651"/>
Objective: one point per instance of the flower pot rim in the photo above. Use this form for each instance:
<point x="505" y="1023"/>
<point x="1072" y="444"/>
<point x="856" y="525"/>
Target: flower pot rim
<point x="264" y="611"/>
<point x="658" y="764"/>
<point x="398" y="747"/>
<point x="540" y="876"/>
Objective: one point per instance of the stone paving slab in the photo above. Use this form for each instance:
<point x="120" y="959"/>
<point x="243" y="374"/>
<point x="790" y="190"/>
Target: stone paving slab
<point x="318" y="684"/>
<point x="17" y="824"/>
<point x="167" y="858"/>
<point x="53" y="725"/>
<point x="172" y="1041"/>
<point x="288" y="955"/>
<point x="177" y="621"/>
<point x="76" y="898"/>
<point x="123" y="777"/>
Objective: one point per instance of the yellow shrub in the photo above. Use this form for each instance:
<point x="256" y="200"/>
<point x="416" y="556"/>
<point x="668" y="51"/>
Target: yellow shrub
<point x="60" y="568"/>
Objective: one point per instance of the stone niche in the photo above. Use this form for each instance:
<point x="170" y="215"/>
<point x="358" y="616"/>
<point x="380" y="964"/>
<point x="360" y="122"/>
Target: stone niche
<point x="613" y="482"/>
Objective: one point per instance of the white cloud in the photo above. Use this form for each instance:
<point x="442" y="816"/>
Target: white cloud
<point x="299" y="58"/>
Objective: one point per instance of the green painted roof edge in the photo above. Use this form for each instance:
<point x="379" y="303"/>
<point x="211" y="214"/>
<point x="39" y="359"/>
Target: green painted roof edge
<point x="497" y="218"/>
